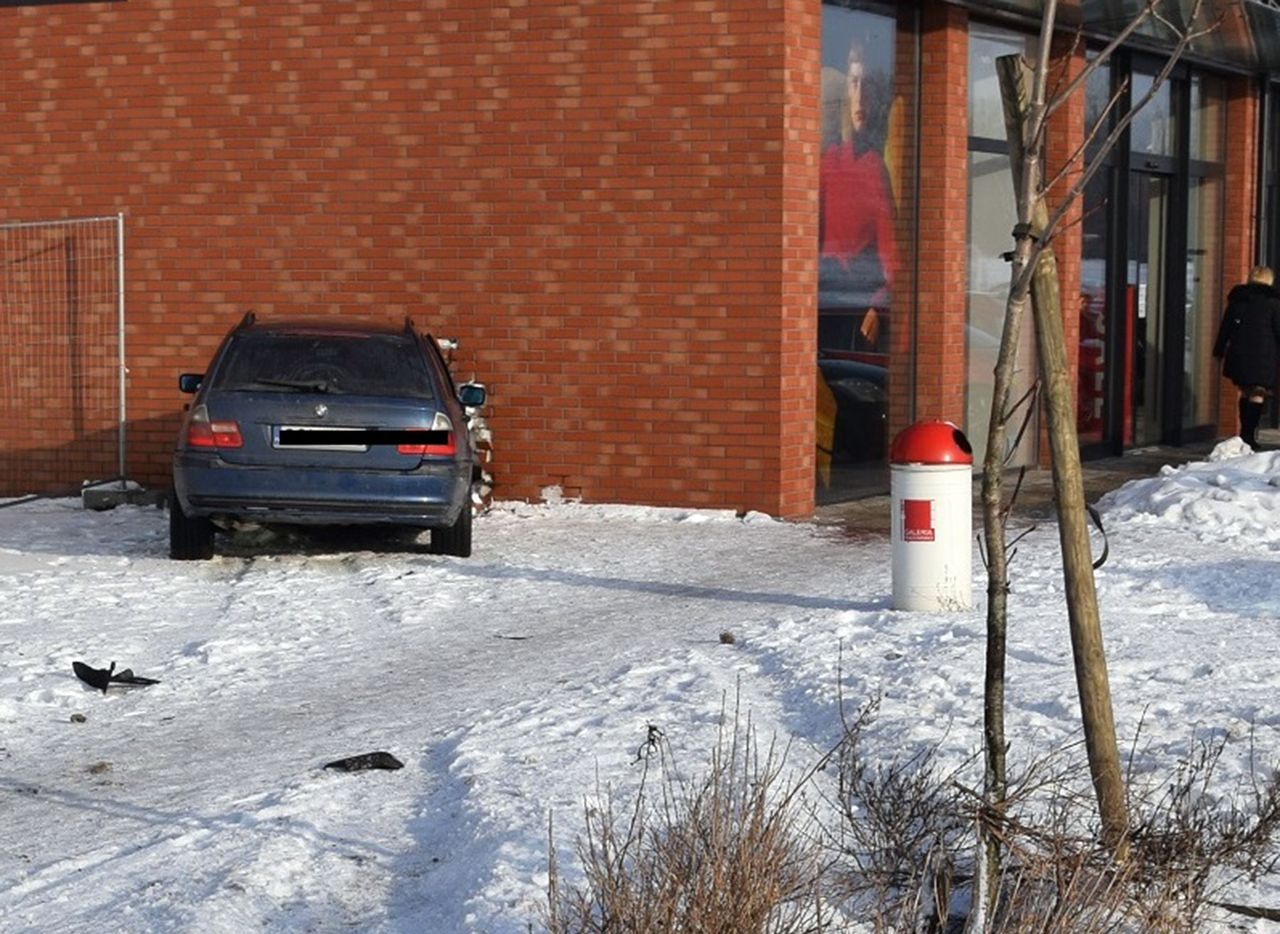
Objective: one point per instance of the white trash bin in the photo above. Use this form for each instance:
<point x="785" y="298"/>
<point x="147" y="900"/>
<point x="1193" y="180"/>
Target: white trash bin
<point x="931" y="493"/>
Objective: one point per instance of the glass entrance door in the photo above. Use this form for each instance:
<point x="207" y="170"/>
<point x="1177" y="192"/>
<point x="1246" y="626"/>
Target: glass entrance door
<point x="1146" y="321"/>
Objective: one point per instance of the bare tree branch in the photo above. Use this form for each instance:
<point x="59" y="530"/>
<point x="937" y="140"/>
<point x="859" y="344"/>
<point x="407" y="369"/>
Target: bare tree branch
<point x="1077" y="37"/>
<point x="1090" y="136"/>
<point x="1030" y="395"/>
<point x="1020" y="536"/>
<point x="1102" y="57"/>
<point x="1113" y="138"/>
<point x="1037" y="118"/>
<point x="1013" y="497"/>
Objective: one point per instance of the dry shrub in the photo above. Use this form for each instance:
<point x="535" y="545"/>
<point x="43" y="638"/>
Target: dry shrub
<point x="905" y="826"/>
<point x="1191" y="838"/>
<point x="728" y="852"/>
<point x="739" y="849"/>
<point x="1054" y="875"/>
<point x="908" y="843"/>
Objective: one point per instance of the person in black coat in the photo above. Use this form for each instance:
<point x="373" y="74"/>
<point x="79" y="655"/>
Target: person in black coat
<point x="1249" y="340"/>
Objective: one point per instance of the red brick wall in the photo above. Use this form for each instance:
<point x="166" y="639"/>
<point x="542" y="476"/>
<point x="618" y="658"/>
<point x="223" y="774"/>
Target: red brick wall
<point x="799" y="300"/>
<point x="1239" y="248"/>
<point x="941" y="371"/>
<point x="609" y="203"/>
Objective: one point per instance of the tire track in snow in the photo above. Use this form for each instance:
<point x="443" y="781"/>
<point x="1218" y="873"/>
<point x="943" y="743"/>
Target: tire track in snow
<point x="497" y="795"/>
<point x="266" y="857"/>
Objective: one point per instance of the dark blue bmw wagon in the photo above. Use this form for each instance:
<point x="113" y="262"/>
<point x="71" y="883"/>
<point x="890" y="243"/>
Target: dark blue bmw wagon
<point x="323" y="422"/>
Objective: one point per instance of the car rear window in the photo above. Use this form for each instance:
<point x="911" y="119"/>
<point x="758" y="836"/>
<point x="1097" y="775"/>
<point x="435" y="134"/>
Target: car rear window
<point x="351" y="364"/>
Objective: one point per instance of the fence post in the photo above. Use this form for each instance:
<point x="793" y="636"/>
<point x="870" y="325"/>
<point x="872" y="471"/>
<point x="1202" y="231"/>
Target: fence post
<point x="124" y="370"/>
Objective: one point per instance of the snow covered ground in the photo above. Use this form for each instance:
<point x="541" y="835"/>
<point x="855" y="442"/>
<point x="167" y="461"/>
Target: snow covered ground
<point x="511" y="683"/>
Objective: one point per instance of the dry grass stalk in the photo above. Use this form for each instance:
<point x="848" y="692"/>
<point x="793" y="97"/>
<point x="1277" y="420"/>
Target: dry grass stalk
<point x="904" y="824"/>
<point x="723" y="853"/>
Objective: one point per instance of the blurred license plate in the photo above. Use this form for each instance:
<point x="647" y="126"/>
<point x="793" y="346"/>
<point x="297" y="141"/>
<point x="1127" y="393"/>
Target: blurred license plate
<point x="305" y="438"/>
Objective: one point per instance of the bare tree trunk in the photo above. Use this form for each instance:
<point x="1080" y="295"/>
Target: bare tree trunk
<point x="1026" y="144"/>
<point x="995" y="746"/>
<point x="995" y="776"/>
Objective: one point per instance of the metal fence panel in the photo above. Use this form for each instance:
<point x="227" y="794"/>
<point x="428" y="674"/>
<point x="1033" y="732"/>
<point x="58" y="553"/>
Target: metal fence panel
<point x="62" y="398"/>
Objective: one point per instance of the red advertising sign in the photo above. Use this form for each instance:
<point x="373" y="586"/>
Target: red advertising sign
<point x="917" y="520"/>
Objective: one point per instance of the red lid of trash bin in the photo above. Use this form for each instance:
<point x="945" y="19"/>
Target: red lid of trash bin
<point x="931" y="442"/>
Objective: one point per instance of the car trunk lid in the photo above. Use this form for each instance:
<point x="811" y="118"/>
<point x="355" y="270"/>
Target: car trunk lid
<point x="313" y="429"/>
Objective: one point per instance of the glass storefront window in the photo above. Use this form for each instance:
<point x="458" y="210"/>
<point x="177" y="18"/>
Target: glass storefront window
<point x="1092" y="363"/>
<point x="1269" y="223"/>
<point x="1154" y="130"/>
<point x="986" y="44"/>
<point x="1204" y="284"/>
<point x="1097" y="97"/>
<point x="992" y="216"/>
<point x="859" y="302"/>
<point x="1208" y="118"/>
<point x="1205" y="209"/>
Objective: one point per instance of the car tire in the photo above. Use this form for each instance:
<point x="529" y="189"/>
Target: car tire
<point x="454" y="539"/>
<point x="189" y="539"/>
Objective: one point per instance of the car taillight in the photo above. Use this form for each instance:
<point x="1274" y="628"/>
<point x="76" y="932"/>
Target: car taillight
<point x="439" y="424"/>
<point x="204" y="433"/>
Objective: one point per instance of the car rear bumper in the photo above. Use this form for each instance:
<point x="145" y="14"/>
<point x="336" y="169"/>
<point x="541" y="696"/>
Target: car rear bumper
<point x="430" y="496"/>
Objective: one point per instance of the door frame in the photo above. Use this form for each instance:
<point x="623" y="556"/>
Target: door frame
<point x="1122" y="165"/>
<point x="1167" y="425"/>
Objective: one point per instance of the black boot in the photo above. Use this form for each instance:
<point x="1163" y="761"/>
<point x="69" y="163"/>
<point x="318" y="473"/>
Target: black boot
<point x="1250" y="416"/>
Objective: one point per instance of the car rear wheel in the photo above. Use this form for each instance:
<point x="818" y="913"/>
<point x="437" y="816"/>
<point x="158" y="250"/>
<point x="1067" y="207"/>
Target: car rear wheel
<point x="454" y="539"/>
<point x="190" y="539"/>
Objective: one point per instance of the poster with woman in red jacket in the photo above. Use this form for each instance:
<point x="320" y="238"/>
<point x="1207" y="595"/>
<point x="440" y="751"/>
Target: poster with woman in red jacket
<point x="856" y="249"/>
<point x="857" y="255"/>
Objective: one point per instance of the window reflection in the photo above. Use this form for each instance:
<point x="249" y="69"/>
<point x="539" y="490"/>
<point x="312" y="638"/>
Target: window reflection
<point x="1205" y="208"/>
<point x="992" y="216"/>
<point x="858" y="304"/>
<point x="1092" y="366"/>
<point x="1204" y="278"/>
<point x="1208" y="117"/>
<point x="1097" y="98"/>
<point x="986" y="44"/>
<point x="1154" y="128"/>
<point x="1097" y="93"/>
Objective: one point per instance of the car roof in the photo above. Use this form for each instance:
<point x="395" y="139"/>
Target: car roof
<point x="327" y="325"/>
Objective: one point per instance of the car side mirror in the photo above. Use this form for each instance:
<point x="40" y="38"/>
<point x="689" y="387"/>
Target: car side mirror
<point x="190" y="382"/>
<point x="472" y="395"/>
